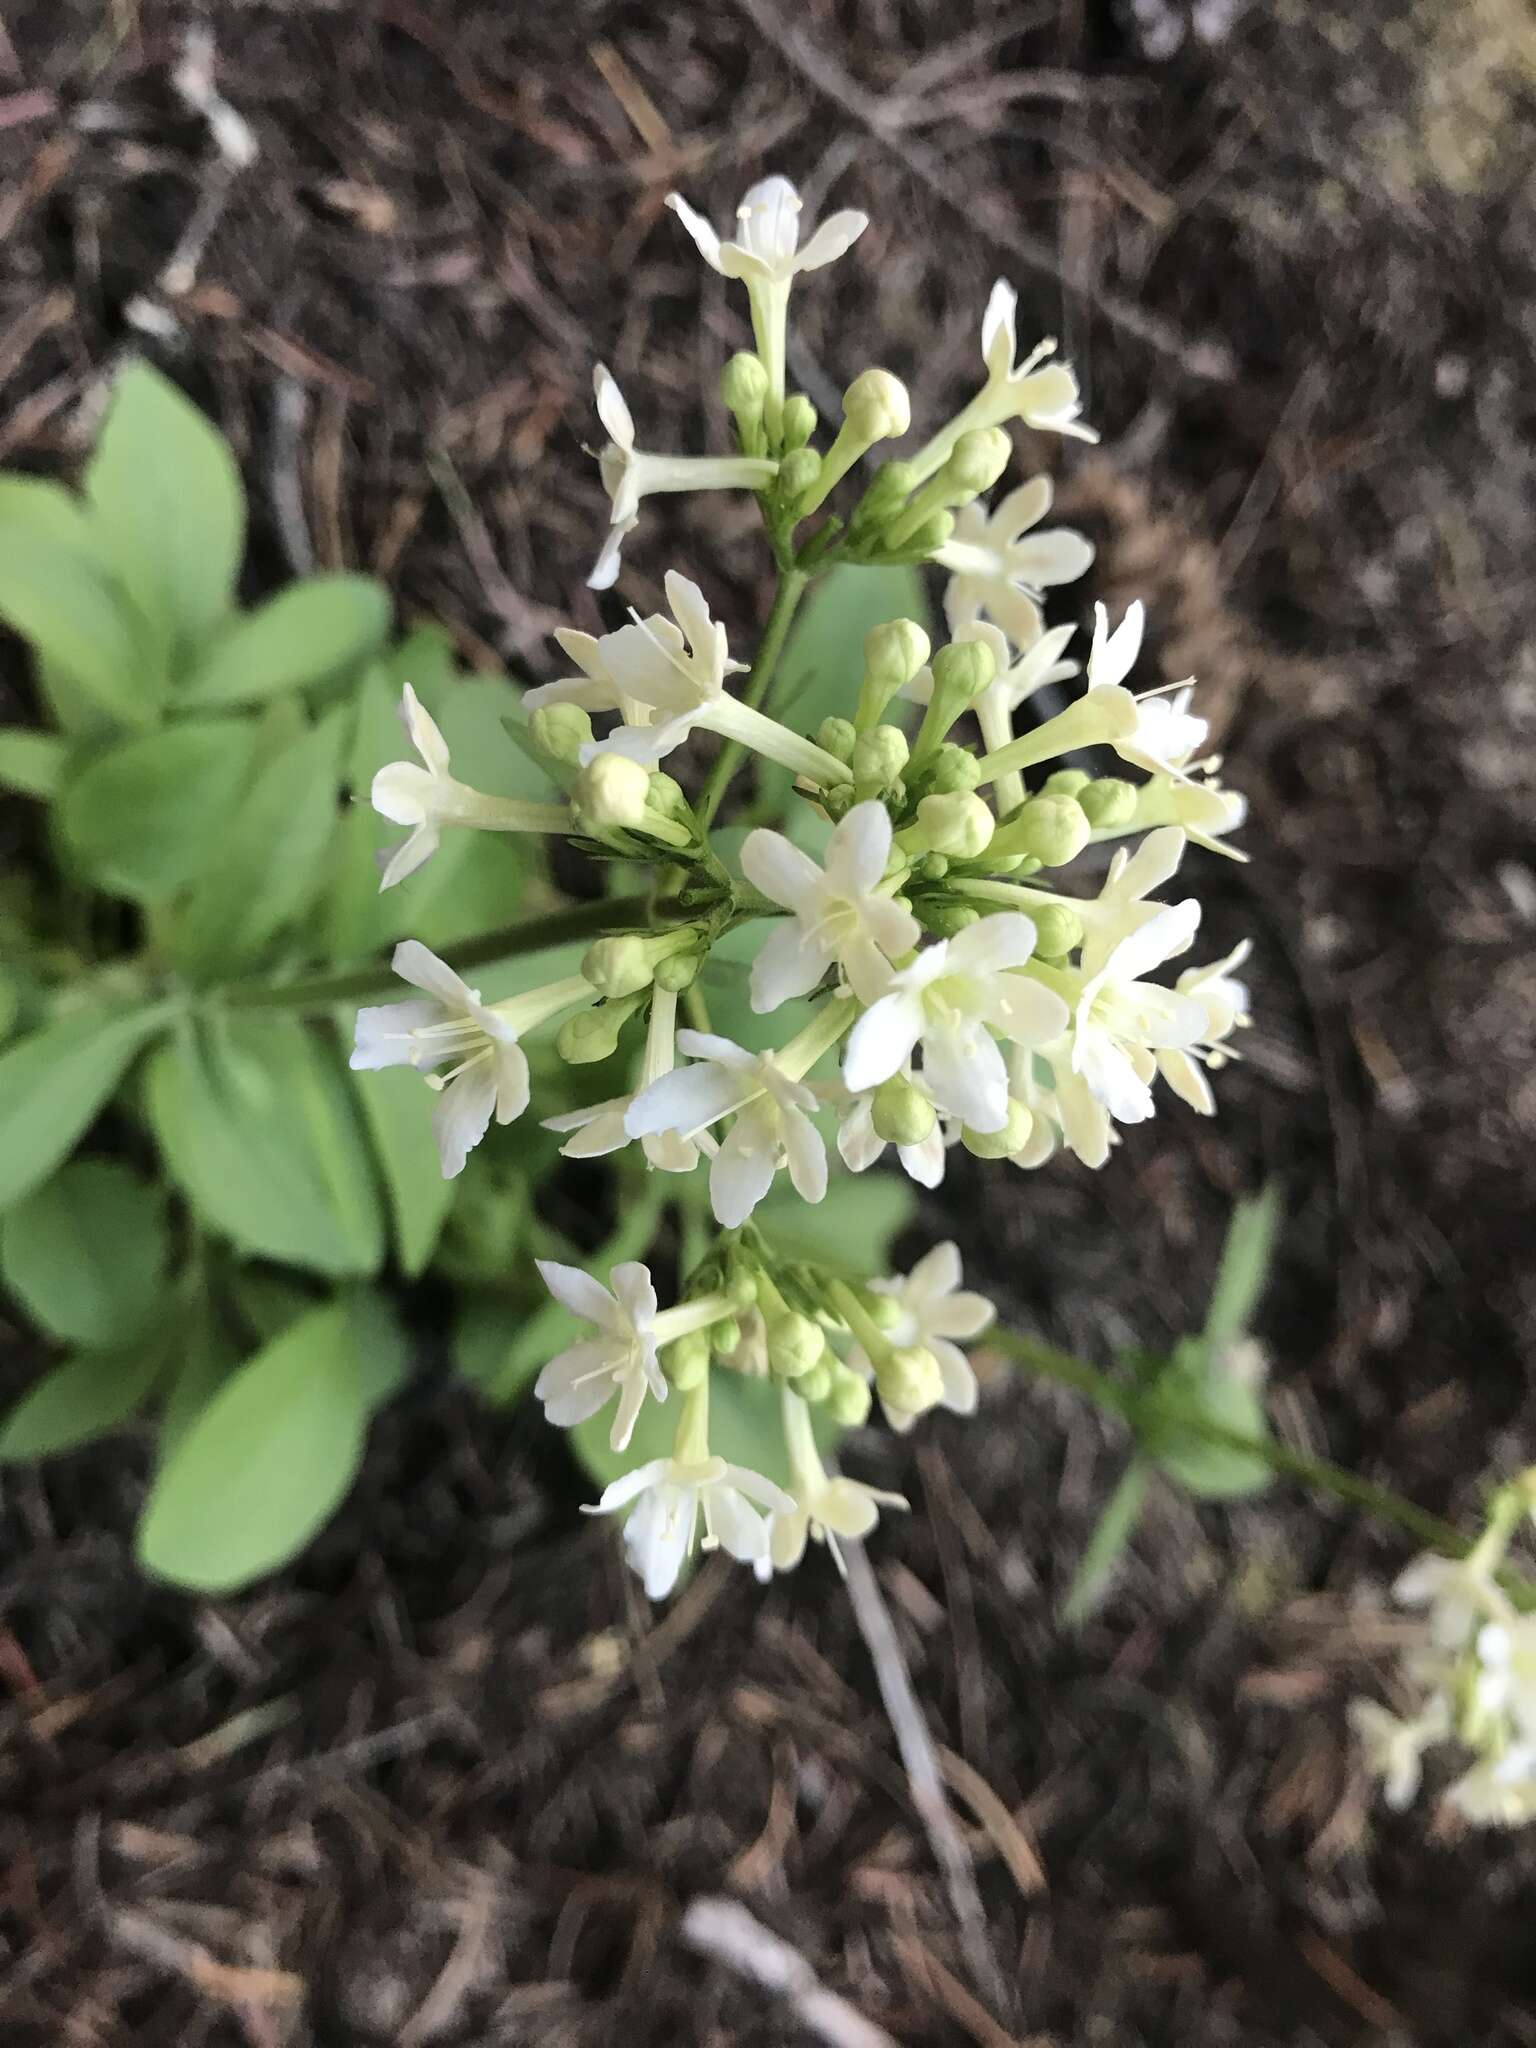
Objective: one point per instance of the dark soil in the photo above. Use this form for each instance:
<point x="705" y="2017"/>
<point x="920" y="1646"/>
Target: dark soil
<point x="448" y="1781"/>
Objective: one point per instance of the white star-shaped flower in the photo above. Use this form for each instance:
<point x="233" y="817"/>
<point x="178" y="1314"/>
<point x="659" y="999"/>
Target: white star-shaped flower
<point x="1000" y="566"/>
<point x="839" y="914"/>
<point x="767" y="248"/>
<point x="599" y="1129"/>
<point x="1225" y="1001"/>
<point x="825" y="1505"/>
<point x="1167" y="734"/>
<point x="621" y="1359"/>
<point x="1122" y="1020"/>
<point x="951" y="1000"/>
<point x="935" y="1310"/>
<point x="1392" y="1749"/>
<point x="771" y="1126"/>
<point x="669" y="1496"/>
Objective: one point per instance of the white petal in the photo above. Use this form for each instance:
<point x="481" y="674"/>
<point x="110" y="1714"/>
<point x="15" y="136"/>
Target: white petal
<point x="738" y="1529"/>
<point x="1006" y="939"/>
<point x="925" y="1162"/>
<point x="629" y="1485"/>
<point x="1161" y="938"/>
<point x="634" y="1292"/>
<point x="579" y="1292"/>
<point x="415" y="963"/>
<point x="937" y="1272"/>
<point x="463" y="1111"/>
<point x="685" y="1100"/>
<point x="425" y="736"/>
<point x="769" y="223"/>
<point x="836" y="234"/>
<point x="789" y="965"/>
<point x="782" y="871"/>
<point x="1114" y="654"/>
<point x="657" y="1536"/>
<point x="1154" y="862"/>
<point x="882" y="1040"/>
<point x="725" y="1052"/>
<point x="1026" y="1011"/>
<point x="741" y="1172"/>
<point x="575" y="1384"/>
<point x="1014" y="610"/>
<point x="805" y="1153"/>
<point x="959" y="1380"/>
<point x="605" y="570"/>
<point x="1186" y="1077"/>
<point x="858" y="849"/>
<point x="510" y="1065"/>
<point x="858" y="1142"/>
<point x="1045" y="559"/>
<point x="383" y="1034"/>
<point x="998" y="341"/>
<point x="410" y="855"/>
<point x="705" y="240"/>
<point x="611" y="409"/>
<point x="1021" y="509"/>
<point x="965" y="1073"/>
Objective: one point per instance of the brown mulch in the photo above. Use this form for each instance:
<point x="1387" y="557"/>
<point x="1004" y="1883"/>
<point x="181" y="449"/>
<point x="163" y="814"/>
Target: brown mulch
<point x="448" y="1780"/>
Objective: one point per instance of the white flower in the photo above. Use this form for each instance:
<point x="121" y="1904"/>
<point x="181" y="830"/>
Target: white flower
<point x="1499" y="1791"/>
<point x="838" y="913"/>
<point x="1393" y="1749"/>
<point x="1506" y="1676"/>
<point x="630" y="475"/>
<point x="599" y="1129"/>
<point x="825" y="1506"/>
<point x="1203" y="809"/>
<point x="1047" y="398"/>
<point x="1122" y="906"/>
<point x="767" y="256"/>
<point x="1167" y="735"/>
<point x="771" y="1127"/>
<point x="620" y="1359"/>
<point x="670" y="1494"/>
<point x="491" y="1069"/>
<point x="950" y="1000"/>
<point x="676" y="673"/>
<point x="1459" y="1592"/>
<point x="1225" y="1001"/>
<point x="998" y="573"/>
<point x="1121" y="1020"/>
<point x="861" y="1145"/>
<point x="935" y="1310"/>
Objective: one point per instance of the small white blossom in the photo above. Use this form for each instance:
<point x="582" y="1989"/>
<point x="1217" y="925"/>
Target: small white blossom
<point x="935" y="1311"/>
<point x="1459" y="1592"/>
<point x="825" y="1505"/>
<point x="767" y="248"/>
<point x="860" y="1145"/>
<point x="1205" y="811"/>
<point x="771" y="1126"/>
<point x="621" y="1359"/>
<point x="630" y="475"/>
<point x="1121" y="1020"/>
<point x="999" y="566"/>
<point x="839" y="914"/>
<point x="1506" y="1672"/>
<point x="1393" y="1749"/>
<point x="1225" y="1001"/>
<point x="1167" y="734"/>
<point x="951" y="1000"/>
<point x="669" y="1496"/>
<point x="1499" y="1791"/>
<point x="599" y="1129"/>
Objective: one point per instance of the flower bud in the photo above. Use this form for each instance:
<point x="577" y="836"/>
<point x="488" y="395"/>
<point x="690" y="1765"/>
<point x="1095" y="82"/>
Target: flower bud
<point x="611" y="792"/>
<point x="894" y="652"/>
<point x="561" y="731"/>
<point x="879" y="757"/>
<point x="953" y="769"/>
<point x="933" y="867"/>
<point x="1108" y="801"/>
<point x="744" y="390"/>
<point x="837" y="737"/>
<point x="960" y="825"/>
<point x="724" y="1336"/>
<point x="945" y="918"/>
<point x="1065" y="782"/>
<point x="815" y="1385"/>
<point x="741" y="1289"/>
<point x="977" y="460"/>
<point x="799" y="473"/>
<point x="884" y="1310"/>
<point x="910" y="1379"/>
<point x="686" y="1361"/>
<point x="1058" y="930"/>
<point x="848" y="1400"/>
<point x="594" y="1034"/>
<point x="929" y="537"/>
<point x="902" y="1114"/>
<point x="1052" y="829"/>
<point x="799" y="422"/>
<point x="876" y="406"/>
<point x="618" y="966"/>
<point x="678" y="971"/>
<point x="888" y="491"/>
<point x="665" y="797"/>
<point x="795" y="1344"/>
<point x="999" y="1144"/>
<point x="963" y="669"/>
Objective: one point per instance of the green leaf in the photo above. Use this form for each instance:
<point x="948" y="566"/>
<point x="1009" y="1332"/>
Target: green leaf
<point x="397" y="1111"/>
<point x="31" y="763"/>
<point x="38" y="506"/>
<point x="379" y="1338"/>
<point x="83" y="1398"/>
<point x="59" y="598"/>
<point x="264" y="1464"/>
<point x="264" y="869"/>
<point x="166" y="498"/>
<point x="53" y="1082"/>
<point x="85" y="1253"/>
<point x="148" y="815"/>
<point x="851" y="1230"/>
<point x="258" y="1127"/>
<point x="267" y="1300"/>
<point x="303" y="635"/>
<point x="1245" y="1263"/>
<point x="1105" y="1547"/>
<point x="1191" y="1405"/>
<point x="205" y="1357"/>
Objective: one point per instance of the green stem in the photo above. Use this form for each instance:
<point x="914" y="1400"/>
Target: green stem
<point x="786" y="602"/>
<point x="1117" y="1398"/>
<point x="512" y="942"/>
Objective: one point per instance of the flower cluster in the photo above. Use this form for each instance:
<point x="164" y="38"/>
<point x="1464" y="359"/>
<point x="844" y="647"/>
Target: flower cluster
<point x="952" y="987"/>
<point x="1470" y="1677"/>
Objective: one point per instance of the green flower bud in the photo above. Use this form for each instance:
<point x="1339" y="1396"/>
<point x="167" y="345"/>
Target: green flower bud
<point x="678" y="971"/>
<point x="1051" y="829"/>
<point x="888" y="491"/>
<point x="933" y="867"/>
<point x="1065" y="782"/>
<point x="561" y="731"/>
<point x="837" y="801"/>
<point x="686" y="1361"/>
<point x="594" y="1034"/>
<point x="795" y="1344"/>
<point x="945" y="918"/>
<point x="837" y="737"/>
<point x="893" y="653"/>
<point x="902" y="1114"/>
<point x="954" y="769"/>
<point x="666" y="798"/>
<point x="741" y="1288"/>
<point x="1107" y="802"/>
<point x="618" y="966"/>
<point x="929" y="537"/>
<point x="744" y="390"/>
<point x="849" y="1399"/>
<point x="724" y="1336"/>
<point x="1058" y="930"/>
<point x="910" y="1379"/>
<point x="815" y="1385"/>
<point x="799" y="473"/>
<point x="799" y="422"/>
<point x="963" y="669"/>
<point x="876" y="406"/>
<point x="878" y="757"/>
<point x="960" y="825"/>
<point x="884" y="1311"/>
<point x="611" y="792"/>
<point x="999" y="1144"/>
<point x="977" y="460"/>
